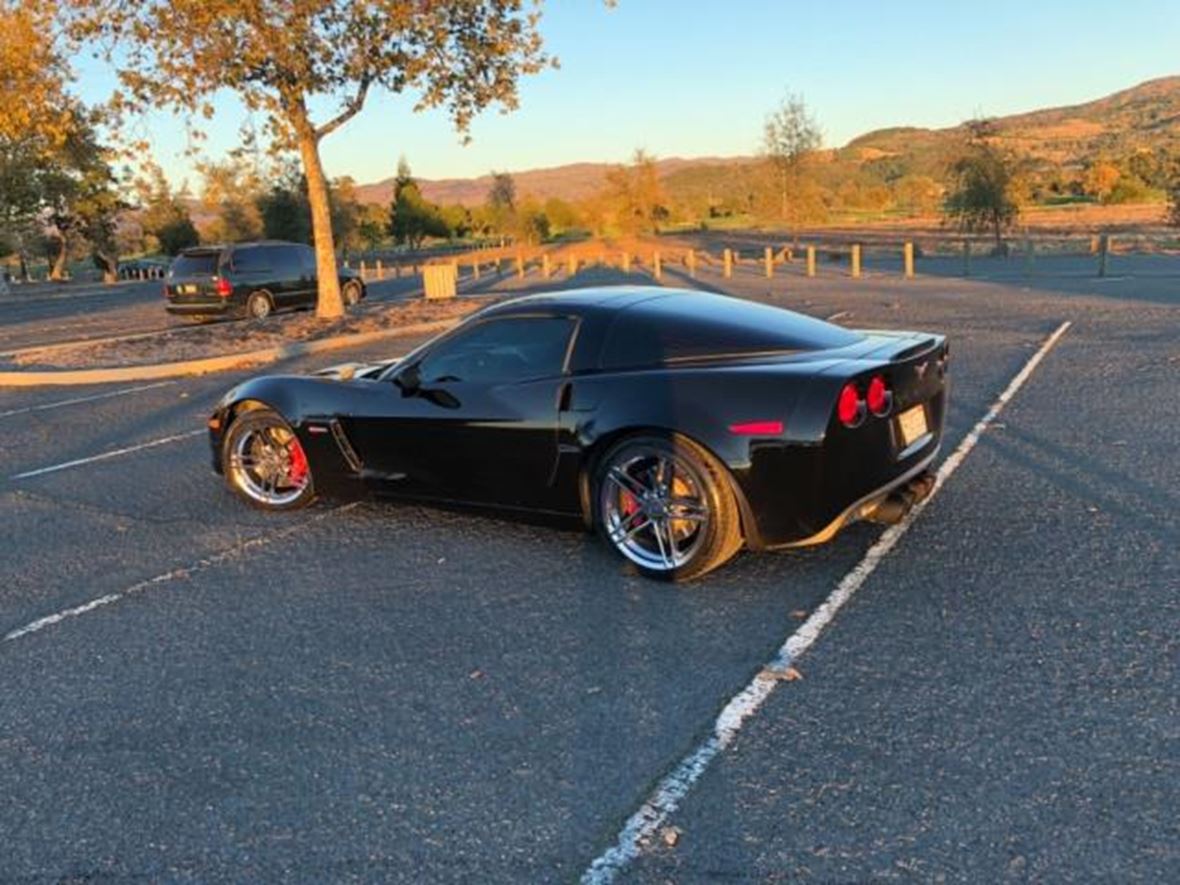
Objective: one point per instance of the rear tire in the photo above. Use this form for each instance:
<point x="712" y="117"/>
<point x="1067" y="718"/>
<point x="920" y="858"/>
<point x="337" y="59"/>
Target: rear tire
<point x="352" y="294"/>
<point x="666" y="505"/>
<point x="264" y="462"/>
<point x="259" y="306"/>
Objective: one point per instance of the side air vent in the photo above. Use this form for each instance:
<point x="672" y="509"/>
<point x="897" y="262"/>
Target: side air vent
<point x="346" y="449"/>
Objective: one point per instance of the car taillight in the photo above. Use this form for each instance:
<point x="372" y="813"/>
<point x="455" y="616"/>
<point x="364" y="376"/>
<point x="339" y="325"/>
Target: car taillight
<point x="879" y="398"/>
<point x="757" y="428"/>
<point x="850" y="408"/>
<point x="224" y="289"/>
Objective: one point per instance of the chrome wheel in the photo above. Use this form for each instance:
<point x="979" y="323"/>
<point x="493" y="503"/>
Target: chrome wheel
<point x="352" y="294"/>
<point x="654" y="509"/>
<point x="267" y="463"/>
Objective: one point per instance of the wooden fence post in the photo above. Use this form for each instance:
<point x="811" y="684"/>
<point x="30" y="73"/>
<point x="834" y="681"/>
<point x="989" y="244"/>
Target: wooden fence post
<point x="626" y="261"/>
<point x="545" y="268"/>
<point x="475" y="269"/>
<point x="1103" y="252"/>
<point x="519" y="266"/>
<point x="691" y="258"/>
<point x="380" y="270"/>
<point x="769" y="259"/>
<point x="855" y="260"/>
<point x="811" y="261"/>
<point x="362" y="268"/>
<point x="909" y="260"/>
<point x="571" y="263"/>
<point x="656" y="269"/>
<point x="727" y="259"/>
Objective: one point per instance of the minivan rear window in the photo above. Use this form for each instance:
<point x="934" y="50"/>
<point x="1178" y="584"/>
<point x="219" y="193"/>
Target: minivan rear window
<point x="195" y="265"/>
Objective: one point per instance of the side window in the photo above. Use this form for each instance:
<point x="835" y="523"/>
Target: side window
<point x="501" y="352"/>
<point x="251" y="260"/>
<point x="287" y="262"/>
<point x="307" y="257"/>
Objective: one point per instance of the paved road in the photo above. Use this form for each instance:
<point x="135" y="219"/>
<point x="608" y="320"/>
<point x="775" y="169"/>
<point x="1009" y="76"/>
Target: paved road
<point x="120" y="310"/>
<point x="388" y="692"/>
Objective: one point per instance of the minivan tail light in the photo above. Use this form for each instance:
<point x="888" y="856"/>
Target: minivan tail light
<point x="224" y="289"/>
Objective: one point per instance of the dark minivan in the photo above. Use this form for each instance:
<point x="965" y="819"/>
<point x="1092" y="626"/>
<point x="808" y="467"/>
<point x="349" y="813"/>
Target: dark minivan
<point x="248" y="279"/>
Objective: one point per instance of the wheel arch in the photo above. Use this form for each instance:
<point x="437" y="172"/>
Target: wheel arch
<point x="602" y="445"/>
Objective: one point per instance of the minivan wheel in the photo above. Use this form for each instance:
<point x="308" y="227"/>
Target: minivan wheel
<point x="352" y="294"/>
<point x="258" y="306"/>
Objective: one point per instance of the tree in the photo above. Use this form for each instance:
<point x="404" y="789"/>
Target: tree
<point x="985" y="185"/>
<point x="789" y="137"/>
<point x="411" y="217"/>
<point x="635" y="194"/>
<point x="163" y="216"/>
<point x="1100" y="179"/>
<point x="501" y="203"/>
<point x="284" y="57"/>
<point x="231" y="190"/>
<point x="372" y="227"/>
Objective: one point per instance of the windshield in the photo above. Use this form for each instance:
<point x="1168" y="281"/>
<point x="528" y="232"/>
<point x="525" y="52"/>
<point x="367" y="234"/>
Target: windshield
<point x="195" y="265"/>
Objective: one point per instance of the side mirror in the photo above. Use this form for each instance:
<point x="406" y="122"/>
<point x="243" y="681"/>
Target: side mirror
<point x="409" y="380"/>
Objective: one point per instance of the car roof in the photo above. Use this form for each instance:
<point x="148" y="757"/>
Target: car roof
<point x="593" y="297"/>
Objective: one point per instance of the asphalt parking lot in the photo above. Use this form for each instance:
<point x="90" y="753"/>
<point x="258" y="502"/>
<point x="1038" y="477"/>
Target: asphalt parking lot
<point x="194" y="691"/>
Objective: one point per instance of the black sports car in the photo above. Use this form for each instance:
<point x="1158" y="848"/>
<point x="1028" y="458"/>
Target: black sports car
<point x="680" y="424"/>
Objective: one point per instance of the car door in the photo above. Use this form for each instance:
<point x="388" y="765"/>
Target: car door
<point x="288" y="285"/>
<point x="308" y="287"/>
<point x="476" y="418"/>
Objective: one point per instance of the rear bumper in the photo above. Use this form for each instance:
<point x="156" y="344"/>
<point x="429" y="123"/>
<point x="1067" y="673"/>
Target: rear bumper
<point x="218" y="307"/>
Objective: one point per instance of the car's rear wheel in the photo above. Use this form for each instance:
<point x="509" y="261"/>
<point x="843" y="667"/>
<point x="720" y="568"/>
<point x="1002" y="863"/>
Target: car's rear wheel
<point x="265" y="464"/>
<point x="665" y="504"/>
<point x="352" y="294"/>
<point x="259" y="306"/>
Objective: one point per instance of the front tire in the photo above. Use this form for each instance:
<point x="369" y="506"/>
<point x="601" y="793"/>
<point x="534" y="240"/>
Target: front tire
<point x="264" y="462"/>
<point x="352" y="294"/>
<point x="665" y="504"/>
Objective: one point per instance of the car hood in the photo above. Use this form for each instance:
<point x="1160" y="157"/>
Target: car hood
<point x="348" y="371"/>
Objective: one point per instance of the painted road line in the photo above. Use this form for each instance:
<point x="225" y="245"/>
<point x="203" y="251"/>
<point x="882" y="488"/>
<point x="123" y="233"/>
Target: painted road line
<point x="176" y="574"/>
<point x="665" y="799"/>
<point x="41" y="471"/>
<point x="83" y="399"/>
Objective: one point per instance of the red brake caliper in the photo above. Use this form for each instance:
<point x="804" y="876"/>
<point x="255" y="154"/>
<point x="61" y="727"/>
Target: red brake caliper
<point x="297" y="472"/>
<point x="630" y="504"/>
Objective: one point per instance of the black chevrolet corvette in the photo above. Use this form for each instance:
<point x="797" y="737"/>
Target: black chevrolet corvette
<point x="680" y="424"/>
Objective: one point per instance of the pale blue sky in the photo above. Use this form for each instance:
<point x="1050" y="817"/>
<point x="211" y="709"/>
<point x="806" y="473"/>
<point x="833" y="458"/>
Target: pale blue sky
<point x="697" y="78"/>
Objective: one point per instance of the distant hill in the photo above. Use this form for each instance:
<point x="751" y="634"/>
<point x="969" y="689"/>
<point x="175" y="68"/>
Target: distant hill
<point x="1143" y="118"/>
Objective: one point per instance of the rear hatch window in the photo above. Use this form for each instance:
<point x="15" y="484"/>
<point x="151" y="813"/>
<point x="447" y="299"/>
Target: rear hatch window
<point x="199" y="264"/>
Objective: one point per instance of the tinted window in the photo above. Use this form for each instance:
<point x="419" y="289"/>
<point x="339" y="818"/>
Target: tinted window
<point x="501" y="351"/>
<point x="307" y="257"/>
<point x="199" y="264"/>
<point x="251" y="260"/>
<point x="287" y="261"/>
<point x="678" y="327"/>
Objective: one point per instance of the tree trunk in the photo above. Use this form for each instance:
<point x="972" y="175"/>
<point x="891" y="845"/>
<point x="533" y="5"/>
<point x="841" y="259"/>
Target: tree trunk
<point x="783" y="187"/>
<point x="58" y="271"/>
<point x="329" y="305"/>
<point x="24" y="266"/>
<point x="108" y="264"/>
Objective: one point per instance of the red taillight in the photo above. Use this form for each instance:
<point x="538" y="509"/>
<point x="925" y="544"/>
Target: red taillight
<point x="757" y="428"/>
<point x="850" y="408"/>
<point x="224" y="289"/>
<point x="878" y="398"/>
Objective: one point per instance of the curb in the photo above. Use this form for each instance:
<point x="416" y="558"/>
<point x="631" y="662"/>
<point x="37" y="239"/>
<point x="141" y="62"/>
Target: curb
<point x="212" y="364"/>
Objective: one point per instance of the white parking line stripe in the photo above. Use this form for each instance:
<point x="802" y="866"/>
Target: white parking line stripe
<point x="41" y="471"/>
<point x="83" y="399"/>
<point x="665" y="799"/>
<point x="183" y="572"/>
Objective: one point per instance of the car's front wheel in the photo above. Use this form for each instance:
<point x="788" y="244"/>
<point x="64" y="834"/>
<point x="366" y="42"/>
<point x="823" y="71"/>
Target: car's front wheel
<point x="665" y="504"/>
<point x="265" y="464"/>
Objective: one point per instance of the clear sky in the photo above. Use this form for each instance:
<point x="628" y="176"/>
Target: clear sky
<point x="697" y="78"/>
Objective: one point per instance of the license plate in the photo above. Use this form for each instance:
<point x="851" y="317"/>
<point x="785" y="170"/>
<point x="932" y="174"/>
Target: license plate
<point x="913" y="425"/>
<point x="188" y="289"/>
